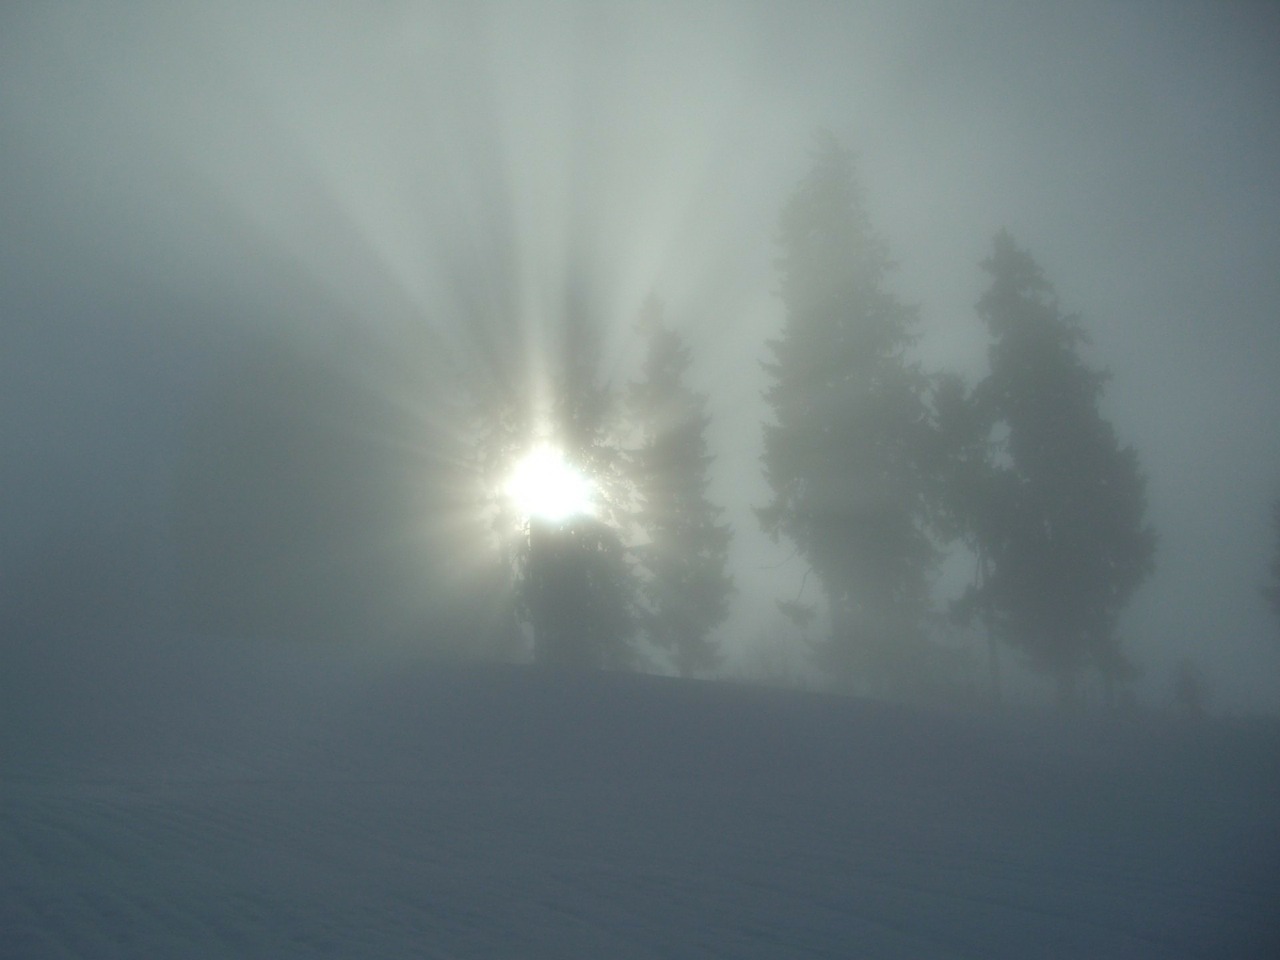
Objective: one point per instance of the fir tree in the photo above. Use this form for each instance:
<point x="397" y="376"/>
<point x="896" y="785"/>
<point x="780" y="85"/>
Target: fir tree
<point x="683" y="562"/>
<point x="965" y="497"/>
<point x="1061" y="525"/>
<point x="577" y="589"/>
<point x="844" y="453"/>
<point x="575" y="581"/>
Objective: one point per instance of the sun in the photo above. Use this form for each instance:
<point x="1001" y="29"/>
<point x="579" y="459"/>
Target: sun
<point x="544" y="485"/>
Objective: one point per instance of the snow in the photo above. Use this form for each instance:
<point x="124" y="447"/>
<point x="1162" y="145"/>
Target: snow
<point x="305" y="805"/>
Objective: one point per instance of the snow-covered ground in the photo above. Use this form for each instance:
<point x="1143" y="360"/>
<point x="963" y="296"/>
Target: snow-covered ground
<point x="356" y="810"/>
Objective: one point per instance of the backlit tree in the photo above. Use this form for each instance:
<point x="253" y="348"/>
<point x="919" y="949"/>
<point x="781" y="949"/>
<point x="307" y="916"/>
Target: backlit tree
<point x="843" y="455"/>
<point x="1062" y="526"/>
<point x="684" y="553"/>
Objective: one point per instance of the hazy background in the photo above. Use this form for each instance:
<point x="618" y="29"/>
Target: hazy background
<point x="182" y="190"/>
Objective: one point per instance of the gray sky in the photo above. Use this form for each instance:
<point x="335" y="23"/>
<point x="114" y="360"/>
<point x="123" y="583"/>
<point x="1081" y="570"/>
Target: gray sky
<point x="172" y="178"/>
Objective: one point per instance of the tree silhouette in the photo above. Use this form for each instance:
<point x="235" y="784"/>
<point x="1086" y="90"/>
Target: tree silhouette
<point x="574" y="582"/>
<point x="966" y="498"/>
<point x="683" y="562"/>
<point x="577" y="591"/>
<point x="845" y="451"/>
<point x="1059" y="522"/>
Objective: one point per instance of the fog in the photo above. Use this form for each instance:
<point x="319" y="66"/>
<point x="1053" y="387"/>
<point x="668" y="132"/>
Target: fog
<point x="366" y="213"/>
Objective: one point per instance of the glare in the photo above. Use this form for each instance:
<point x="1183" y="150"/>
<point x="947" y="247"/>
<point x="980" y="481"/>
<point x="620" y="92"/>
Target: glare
<point x="545" y="485"/>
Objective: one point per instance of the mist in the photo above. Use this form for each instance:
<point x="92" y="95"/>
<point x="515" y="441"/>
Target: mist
<point x="234" y="232"/>
<point x="407" y="546"/>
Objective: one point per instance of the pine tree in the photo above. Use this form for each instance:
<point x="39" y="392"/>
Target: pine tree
<point x="844" y="454"/>
<point x="575" y="581"/>
<point x="965" y="497"/>
<point x="577" y="589"/>
<point x="1062" y="525"/>
<point x="684" y="560"/>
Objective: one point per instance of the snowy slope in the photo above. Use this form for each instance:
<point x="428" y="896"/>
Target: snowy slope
<point x="350" y="809"/>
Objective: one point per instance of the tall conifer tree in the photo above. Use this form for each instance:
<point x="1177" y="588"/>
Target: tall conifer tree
<point x="843" y="455"/>
<point x="1063" y="530"/>
<point x="684" y="561"/>
<point x="577" y="582"/>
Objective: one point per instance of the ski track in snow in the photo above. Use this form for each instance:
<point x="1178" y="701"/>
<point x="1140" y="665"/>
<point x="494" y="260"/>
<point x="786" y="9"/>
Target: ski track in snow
<point x="909" y="837"/>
